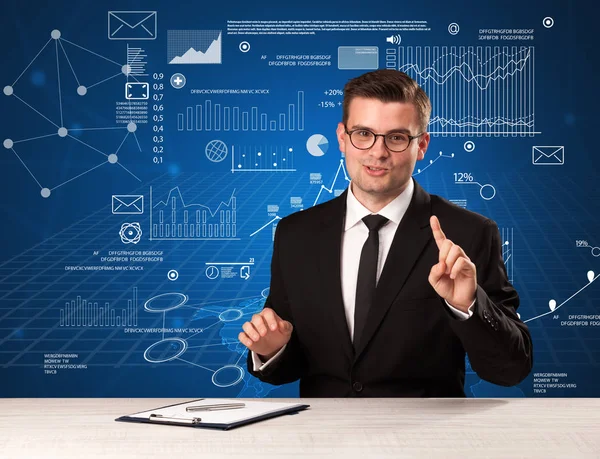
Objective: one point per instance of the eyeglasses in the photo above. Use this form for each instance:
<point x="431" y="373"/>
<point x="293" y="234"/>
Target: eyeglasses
<point x="363" y="139"/>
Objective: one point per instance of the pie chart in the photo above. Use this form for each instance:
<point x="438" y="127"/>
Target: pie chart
<point x="317" y="145"/>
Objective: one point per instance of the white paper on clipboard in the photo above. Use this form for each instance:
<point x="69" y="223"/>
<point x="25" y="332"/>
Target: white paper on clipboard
<point x="178" y="413"/>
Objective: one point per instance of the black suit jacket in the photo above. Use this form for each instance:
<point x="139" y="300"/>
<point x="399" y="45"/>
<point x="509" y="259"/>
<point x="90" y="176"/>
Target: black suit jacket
<point x="412" y="344"/>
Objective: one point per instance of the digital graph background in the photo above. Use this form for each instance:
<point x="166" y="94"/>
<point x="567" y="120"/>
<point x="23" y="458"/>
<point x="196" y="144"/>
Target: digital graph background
<point x="496" y="104"/>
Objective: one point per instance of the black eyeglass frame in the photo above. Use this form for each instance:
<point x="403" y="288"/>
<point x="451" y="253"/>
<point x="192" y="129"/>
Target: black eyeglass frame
<point x="410" y="139"/>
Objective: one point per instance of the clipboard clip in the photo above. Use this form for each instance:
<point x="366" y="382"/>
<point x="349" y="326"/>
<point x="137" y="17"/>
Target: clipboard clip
<point x="165" y="419"/>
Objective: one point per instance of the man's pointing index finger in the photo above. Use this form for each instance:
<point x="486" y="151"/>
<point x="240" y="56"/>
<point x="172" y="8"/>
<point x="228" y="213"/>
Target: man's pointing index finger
<point x="438" y="234"/>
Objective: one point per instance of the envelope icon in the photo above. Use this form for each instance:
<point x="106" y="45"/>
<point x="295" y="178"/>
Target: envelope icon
<point x="132" y="25"/>
<point x="127" y="204"/>
<point x="548" y="156"/>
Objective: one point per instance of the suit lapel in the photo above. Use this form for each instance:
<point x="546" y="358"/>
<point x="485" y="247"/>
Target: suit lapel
<point x="410" y="239"/>
<point x="330" y="242"/>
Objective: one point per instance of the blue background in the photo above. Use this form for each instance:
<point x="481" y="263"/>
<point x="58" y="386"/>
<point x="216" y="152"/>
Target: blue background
<point x="547" y="208"/>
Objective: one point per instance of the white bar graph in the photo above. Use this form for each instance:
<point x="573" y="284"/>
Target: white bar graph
<point x="85" y="313"/>
<point x="217" y="117"/>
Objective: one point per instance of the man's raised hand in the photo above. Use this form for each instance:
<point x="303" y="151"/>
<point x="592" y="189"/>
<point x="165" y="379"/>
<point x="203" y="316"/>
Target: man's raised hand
<point x="266" y="333"/>
<point x="454" y="277"/>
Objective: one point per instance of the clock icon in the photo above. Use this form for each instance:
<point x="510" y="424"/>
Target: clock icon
<point x="212" y="272"/>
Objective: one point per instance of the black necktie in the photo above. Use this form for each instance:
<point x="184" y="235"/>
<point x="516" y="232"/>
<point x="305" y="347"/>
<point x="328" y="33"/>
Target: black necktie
<point x="367" y="275"/>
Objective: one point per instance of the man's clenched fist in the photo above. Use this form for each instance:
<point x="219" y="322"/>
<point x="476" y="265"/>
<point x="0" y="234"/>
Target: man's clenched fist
<point x="266" y="334"/>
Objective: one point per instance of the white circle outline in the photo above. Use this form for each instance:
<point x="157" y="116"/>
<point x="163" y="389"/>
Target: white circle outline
<point x="481" y="191"/>
<point x="237" y="367"/>
<point x="240" y="315"/>
<point x="184" y="299"/>
<point x="178" y="340"/>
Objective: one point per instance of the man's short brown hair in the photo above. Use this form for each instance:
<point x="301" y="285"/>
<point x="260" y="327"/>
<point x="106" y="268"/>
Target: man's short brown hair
<point x="388" y="85"/>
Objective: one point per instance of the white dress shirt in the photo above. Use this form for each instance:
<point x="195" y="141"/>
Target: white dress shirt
<point x="354" y="236"/>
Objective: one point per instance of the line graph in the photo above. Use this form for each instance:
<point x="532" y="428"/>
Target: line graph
<point x="276" y="218"/>
<point x="508" y="251"/>
<point x="475" y="90"/>
<point x="173" y="219"/>
<point x="552" y="303"/>
<point x="331" y="189"/>
<point x="432" y="162"/>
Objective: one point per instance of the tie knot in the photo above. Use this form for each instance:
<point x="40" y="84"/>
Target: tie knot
<point x="374" y="222"/>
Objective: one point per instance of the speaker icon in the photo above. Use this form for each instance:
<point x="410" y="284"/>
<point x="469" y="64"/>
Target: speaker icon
<point x="394" y="39"/>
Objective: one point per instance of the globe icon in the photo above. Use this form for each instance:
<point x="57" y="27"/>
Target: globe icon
<point x="216" y="151"/>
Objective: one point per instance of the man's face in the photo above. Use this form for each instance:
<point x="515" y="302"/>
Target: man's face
<point x="378" y="174"/>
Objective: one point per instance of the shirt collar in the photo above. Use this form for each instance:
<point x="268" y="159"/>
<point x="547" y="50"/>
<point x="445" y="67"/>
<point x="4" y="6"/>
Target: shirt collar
<point x="394" y="211"/>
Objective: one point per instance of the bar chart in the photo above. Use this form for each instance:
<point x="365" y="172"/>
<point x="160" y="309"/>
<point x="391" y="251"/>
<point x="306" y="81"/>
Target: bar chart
<point x="81" y="312"/>
<point x="212" y="116"/>
<point x="173" y="219"/>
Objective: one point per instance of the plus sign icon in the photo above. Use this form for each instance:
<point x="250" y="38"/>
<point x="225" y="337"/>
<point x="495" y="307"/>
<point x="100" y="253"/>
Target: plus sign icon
<point x="178" y="81"/>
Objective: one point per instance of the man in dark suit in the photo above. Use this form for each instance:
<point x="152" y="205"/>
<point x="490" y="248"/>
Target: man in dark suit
<point x="369" y="295"/>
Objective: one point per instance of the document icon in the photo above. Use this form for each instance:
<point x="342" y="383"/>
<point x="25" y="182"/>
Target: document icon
<point x="127" y="204"/>
<point x="548" y="156"/>
<point x="132" y="25"/>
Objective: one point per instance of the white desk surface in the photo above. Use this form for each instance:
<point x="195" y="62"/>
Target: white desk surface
<point x="330" y="428"/>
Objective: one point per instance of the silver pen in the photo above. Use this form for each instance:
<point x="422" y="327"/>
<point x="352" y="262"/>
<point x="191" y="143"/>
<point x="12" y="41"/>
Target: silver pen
<point x="167" y="419"/>
<point x="218" y="406"/>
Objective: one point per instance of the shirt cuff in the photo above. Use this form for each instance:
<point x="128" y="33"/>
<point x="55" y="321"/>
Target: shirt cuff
<point x="259" y="365"/>
<point x="460" y="314"/>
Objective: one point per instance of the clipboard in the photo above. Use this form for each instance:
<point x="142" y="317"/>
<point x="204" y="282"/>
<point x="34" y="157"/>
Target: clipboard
<point x="222" y="420"/>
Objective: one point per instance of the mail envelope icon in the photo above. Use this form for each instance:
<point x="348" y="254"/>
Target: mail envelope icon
<point x="132" y="25"/>
<point x="548" y="156"/>
<point x="127" y="204"/>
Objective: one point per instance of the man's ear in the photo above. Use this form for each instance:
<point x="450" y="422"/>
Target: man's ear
<point x="341" y="137"/>
<point x="423" y="144"/>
